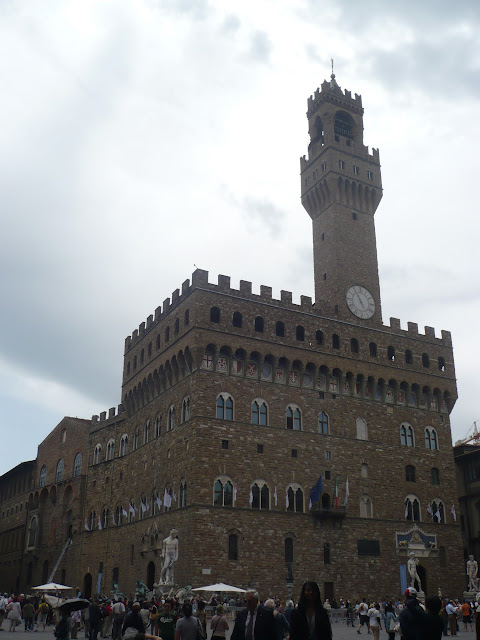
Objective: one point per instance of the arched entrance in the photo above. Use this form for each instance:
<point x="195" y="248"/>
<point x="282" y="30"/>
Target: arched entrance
<point x="150" y="575"/>
<point x="87" y="585"/>
<point x="422" y="574"/>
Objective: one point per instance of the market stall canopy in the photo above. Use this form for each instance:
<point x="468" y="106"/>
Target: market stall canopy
<point x="52" y="586"/>
<point x="219" y="587"/>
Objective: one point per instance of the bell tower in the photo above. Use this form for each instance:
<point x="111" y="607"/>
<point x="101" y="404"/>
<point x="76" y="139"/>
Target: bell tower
<point x="341" y="189"/>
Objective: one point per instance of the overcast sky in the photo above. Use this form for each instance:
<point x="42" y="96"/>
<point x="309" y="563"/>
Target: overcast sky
<point x="139" y="138"/>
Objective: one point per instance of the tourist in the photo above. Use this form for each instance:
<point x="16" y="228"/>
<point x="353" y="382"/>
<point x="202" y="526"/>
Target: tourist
<point x="433" y="620"/>
<point x="118" y="611"/>
<point x="188" y="627"/>
<point x="451" y="611"/>
<point x="219" y="624"/>
<point x="412" y="616"/>
<point x="14" y="612"/>
<point x="165" y="622"/>
<point x="28" y="614"/>
<point x="310" y="620"/>
<point x="255" y="622"/>
<point x="362" y="615"/>
<point x="202" y="616"/>
<point x="466" y="615"/>
<point x="390" y="620"/>
<point x="133" y="622"/>
<point x="281" y="625"/>
<point x="374" y="621"/>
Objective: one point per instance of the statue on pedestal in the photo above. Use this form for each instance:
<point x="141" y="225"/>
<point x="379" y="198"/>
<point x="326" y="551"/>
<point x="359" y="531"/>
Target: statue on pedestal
<point x="412" y="563"/>
<point x="169" y="555"/>
<point x="472" y="573"/>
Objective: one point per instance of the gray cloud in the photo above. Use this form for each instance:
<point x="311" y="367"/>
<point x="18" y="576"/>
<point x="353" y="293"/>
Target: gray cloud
<point x="261" y="212"/>
<point x="260" y="47"/>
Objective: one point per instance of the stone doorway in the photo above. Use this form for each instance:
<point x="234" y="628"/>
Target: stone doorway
<point x="422" y="574"/>
<point x="87" y="586"/>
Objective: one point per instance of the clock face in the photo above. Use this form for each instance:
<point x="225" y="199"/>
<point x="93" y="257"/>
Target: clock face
<point x="360" y="302"/>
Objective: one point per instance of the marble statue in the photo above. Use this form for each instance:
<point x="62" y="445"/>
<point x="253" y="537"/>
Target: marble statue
<point x="472" y="573"/>
<point x="170" y="556"/>
<point x="412" y="563"/>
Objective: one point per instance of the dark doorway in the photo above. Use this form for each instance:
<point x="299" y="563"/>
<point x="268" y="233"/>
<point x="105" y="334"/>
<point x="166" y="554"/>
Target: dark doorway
<point x="328" y="591"/>
<point x="150" y="575"/>
<point x="87" y="585"/>
<point x="422" y="574"/>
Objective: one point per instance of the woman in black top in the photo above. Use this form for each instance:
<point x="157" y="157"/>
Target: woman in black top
<point x="310" y="620"/>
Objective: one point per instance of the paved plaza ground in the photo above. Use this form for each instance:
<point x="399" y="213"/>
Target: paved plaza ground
<point x="340" y="632"/>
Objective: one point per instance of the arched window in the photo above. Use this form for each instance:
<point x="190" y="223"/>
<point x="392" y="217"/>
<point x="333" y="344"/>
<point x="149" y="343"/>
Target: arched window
<point x="373" y="349"/>
<point x="295" y="498"/>
<point x="136" y="439"/>
<point x="431" y="441"/>
<point x="294" y="418"/>
<point x="224" y="406"/>
<point x="97" y="452"/>
<point x="336" y="341"/>
<point x="149" y="349"/>
<point x="343" y="125"/>
<point x="186" y="318"/>
<point x="425" y="360"/>
<point x="354" y="345"/>
<point x="92" y="520"/>
<point x="146" y="432"/>
<point x="259" y="324"/>
<point x="366" y="510"/>
<point x="132" y="509"/>
<point x="319" y="337"/>
<point x="183" y="494"/>
<point x="176" y="326"/>
<point x="43" y="476"/>
<point x="435" y="476"/>
<point x="32" y="532"/>
<point x="408" y="357"/>
<point x="59" y="472"/>
<point x="110" y="449"/>
<point x="260" y="495"/>
<point x="124" y="445"/>
<point x="412" y="508"/>
<point x="441" y="364"/>
<point x="223" y="493"/>
<point x="158" y="425"/>
<point x="362" y="430"/>
<point x="171" y="418"/>
<point x="237" y="319"/>
<point x="438" y="511"/>
<point x="280" y="329"/>
<point x="186" y="409"/>
<point x="300" y="333"/>
<point x="391" y="353"/>
<point x="157" y="342"/>
<point x="410" y="473"/>
<point x="215" y="314"/>
<point x="233" y="547"/>
<point x="259" y="412"/>
<point x="406" y="435"/>
<point x="364" y="470"/>
<point x="105" y="518"/>
<point x="325" y="501"/>
<point x="288" y="549"/>
<point x="77" y="465"/>
<point x="142" y="356"/>
<point x="134" y="363"/>
<point x="323" y="423"/>
<point x="118" y="515"/>
<point x="326" y="553"/>
<point x="167" y="334"/>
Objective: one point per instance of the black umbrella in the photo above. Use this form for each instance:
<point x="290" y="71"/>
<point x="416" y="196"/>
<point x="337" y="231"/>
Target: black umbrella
<point x="73" y="604"/>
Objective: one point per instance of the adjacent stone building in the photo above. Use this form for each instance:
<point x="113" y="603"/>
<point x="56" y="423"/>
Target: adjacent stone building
<point x="235" y="404"/>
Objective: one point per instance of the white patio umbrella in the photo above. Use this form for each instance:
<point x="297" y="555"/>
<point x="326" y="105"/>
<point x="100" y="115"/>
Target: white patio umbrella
<point x="52" y="586"/>
<point x="219" y="587"/>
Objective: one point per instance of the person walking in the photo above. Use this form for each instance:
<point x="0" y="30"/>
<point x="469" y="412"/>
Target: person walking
<point x="28" y="613"/>
<point x="412" y="616"/>
<point x="390" y="620"/>
<point x="281" y="625"/>
<point x="188" y="627"/>
<point x="14" y="613"/>
<point x="310" y="620"/>
<point x="219" y="624"/>
<point x="374" y="621"/>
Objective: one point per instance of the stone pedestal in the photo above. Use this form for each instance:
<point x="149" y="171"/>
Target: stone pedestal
<point x="470" y="595"/>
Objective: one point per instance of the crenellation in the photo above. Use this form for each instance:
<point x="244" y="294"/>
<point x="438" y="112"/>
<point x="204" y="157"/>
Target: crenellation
<point x="111" y="412"/>
<point x="166" y="306"/>
<point x="446" y="337"/>
<point x="306" y="302"/>
<point x="141" y="329"/>
<point x="223" y="282"/>
<point x="150" y="321"/>
<point x="412" y="328"/>
<point x="286" y="296"/>
<point x="158" y="314"/>
<point x="185" y="286"/>
<point x="395" y="323"/>
<point x="135" y="335"/>
<point x="175" y="297"/>
<point x="265" y="292"/>
<point x="95" y="419"/>
<point x="103" y="416"/>
<point x="199" y="278"/>
<point x="429" y="332"/>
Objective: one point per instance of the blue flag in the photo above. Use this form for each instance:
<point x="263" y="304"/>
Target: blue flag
<point x="316" y="491"/>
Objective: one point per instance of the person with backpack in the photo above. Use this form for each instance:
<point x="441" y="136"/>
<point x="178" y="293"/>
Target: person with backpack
<point x="412" y="617"/>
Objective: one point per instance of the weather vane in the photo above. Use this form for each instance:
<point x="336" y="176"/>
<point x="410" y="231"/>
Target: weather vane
<point x="332" y="63"/>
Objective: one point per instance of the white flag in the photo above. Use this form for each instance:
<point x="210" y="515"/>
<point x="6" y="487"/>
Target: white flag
<point x="406" y="509"/>
<point x="143" y="507"/>
<point x="86" y="525"/>
<point x="275" y="496"/>
<point x="452" y="511"/>
<point x="310" y="503"/>
<point x="429" y="509"/>
<point x="250" y="497"/>
<point x="131" y="509"/>
<point x="147" y="506"/>
<point x="99" y="523"/>
<point x="174" y="496"/>
<point x="125" y="514"/>
<point x="159" y="502"/>
<point x="234" y="492"/>
<point x="437" y="515"/>
<point x="286" y="500"/>
<point x="167" y="499"/>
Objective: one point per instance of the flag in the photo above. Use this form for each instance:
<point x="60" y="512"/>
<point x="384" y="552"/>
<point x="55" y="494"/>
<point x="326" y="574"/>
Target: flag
<point x="113" y="518"/>
<point x="429" y="509"/>
<point x="143" y="507"/>
<point x="316" y="491"/>
<point x="275" y="496"/>
<point x="452" y="511"/>
<point x="167" y="499"/>
<point x="124" y="513"/>
<point x="158" y="501"/>
<point x="147" y="506"/>
<point x="86" y="525"/>
<point x="438" y="516"/>
<point x="99" y="523"/>
<point x="174" y="496"/>
<point x="335" y="493"/>
<point x="286" y="500"/>
<point x="234" y="492"/>
<point x="406" y="508"/>
<point x="310" y="503"/>
<point x="347" y="493"/>
<point x="131" y="509"/>
<point x="250" y="497"/>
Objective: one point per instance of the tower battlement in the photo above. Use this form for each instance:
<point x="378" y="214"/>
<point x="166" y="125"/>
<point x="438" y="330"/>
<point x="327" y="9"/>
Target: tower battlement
<point x="114" y="413"/>
<point x="333" y="92"/>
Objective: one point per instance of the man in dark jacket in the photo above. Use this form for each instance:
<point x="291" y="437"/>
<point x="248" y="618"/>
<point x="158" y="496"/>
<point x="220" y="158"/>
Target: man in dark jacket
<point x="95" y="618"/>
<point x="412" y="618"/>
<point x="254" y="622"/>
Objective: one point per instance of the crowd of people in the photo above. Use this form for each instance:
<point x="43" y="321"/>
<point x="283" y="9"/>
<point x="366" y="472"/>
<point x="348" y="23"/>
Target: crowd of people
<point x="310" y="619"/>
